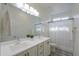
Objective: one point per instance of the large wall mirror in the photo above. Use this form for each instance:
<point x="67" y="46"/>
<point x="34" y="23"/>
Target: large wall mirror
<point x="16" y="22"/>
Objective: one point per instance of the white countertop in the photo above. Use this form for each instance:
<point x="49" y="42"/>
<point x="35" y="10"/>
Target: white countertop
<point x="10" y="48"/>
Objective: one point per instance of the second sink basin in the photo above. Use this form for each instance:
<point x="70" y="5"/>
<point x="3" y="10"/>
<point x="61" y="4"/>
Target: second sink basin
<point x="18" y="46"/>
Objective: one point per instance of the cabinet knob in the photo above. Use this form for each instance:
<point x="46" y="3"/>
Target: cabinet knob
<point x="28" y="53"/>
<point x="41" y="46"/>
<point x="25" y="55"/>
<point x="48" y="42"/>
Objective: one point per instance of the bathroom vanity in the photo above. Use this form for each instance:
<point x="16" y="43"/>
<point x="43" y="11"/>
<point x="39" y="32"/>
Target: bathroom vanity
<point x="37" y="46"/>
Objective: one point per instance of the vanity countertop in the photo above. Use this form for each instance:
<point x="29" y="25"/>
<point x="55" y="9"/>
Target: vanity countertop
<point x="9" y="49"/>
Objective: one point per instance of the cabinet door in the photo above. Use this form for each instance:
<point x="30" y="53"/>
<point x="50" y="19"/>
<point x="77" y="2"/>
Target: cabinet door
<point x="46" y="48"/>
<point x="21" y="54"/>
<point x="32" y="51"/>
<point x="41" y="49"/>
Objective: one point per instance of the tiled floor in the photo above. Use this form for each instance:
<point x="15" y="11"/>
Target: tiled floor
<point x="60" y="52"/>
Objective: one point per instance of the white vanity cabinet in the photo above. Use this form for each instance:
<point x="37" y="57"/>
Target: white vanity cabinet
<point x="42" y="49"/>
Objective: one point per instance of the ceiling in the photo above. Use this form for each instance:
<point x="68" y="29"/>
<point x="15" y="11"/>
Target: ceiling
<point x="47" y="9"/>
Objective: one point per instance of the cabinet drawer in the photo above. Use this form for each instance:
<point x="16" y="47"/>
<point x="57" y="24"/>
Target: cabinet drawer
<point x="40" y="53"/>
<point x="32" y="51"/>
<point x="21" y="54"/>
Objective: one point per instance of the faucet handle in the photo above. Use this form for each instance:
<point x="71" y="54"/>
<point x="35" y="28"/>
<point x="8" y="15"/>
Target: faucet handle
<point x="14" y="36"/>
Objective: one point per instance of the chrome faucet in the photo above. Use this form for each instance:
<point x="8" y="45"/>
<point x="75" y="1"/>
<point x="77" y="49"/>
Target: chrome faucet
<point x="17" y="39"/>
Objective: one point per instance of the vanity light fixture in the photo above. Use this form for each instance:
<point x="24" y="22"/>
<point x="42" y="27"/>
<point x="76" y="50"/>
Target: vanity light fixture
<point x="26" y="8"/>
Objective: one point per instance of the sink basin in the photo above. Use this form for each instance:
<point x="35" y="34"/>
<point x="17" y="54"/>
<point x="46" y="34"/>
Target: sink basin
<point x="18" y="46"/>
